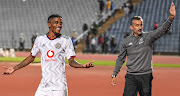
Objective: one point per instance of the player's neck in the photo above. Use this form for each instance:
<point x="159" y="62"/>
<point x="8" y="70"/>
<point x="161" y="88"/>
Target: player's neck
<point x="51" y="35"/>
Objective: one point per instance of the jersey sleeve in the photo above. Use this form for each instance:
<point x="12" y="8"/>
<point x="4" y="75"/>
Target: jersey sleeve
<point x="35" y="49"/>
<point x="69" y="49"/>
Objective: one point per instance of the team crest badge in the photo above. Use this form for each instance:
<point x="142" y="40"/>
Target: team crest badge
<point x="141" y="41"/>
<point x="58" y="45"/>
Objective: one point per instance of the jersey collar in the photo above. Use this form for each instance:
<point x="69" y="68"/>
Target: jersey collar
<point x="52" y="38"/>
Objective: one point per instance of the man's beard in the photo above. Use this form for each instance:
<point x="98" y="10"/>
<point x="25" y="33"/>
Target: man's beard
<point x="139" y="31"/>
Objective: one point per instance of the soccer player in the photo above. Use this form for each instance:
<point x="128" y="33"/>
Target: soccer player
<point x="54" y="47"/>
<point x="138" y="49"/>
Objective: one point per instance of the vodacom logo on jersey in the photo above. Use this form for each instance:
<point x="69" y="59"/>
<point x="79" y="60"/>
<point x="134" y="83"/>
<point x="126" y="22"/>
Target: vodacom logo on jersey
<point x="50" y="54"/>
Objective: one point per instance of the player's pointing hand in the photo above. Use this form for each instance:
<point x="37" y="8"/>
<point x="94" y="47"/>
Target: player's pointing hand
<point x="9" y="70"/>
<point x="89" y="64"/>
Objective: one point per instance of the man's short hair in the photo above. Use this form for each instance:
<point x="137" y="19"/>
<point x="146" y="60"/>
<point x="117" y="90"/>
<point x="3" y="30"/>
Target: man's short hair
<point x="135" y="18"/>
<point x="53" y="16"/>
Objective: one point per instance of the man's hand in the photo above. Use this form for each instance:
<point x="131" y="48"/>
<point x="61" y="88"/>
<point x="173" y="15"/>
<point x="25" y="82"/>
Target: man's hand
<point x="89" y="64"/>
<point x="75" y="64"/>
<point x="113" y="82"/>
<point x="9" y="70"/>
<point x="172" y="11"/>
<point x="25" y="62"/>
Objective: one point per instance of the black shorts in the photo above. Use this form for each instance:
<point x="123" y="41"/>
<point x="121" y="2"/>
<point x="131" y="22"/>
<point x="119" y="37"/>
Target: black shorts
<point x="138" y="83"/>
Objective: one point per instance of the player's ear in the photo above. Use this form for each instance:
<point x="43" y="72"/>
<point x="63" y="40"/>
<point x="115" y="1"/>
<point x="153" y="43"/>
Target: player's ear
<point x="49" y="24"/>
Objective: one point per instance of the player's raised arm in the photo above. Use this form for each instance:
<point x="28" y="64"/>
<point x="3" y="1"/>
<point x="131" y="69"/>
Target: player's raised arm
<point x="172" y="11"/>
<point x="75" y="64"/>
<point x="25" y="62"/>
<point x="163" y="29"/>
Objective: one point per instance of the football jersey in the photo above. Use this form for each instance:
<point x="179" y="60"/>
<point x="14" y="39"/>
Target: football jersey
<point x="53" y="54"/>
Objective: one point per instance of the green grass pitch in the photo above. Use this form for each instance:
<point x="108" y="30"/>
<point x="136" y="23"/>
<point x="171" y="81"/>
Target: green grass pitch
<point x="96" y="63"/>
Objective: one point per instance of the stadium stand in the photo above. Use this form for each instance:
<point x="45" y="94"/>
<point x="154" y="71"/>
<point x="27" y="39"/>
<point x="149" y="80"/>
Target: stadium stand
<point x="30" y="17"/>
<point x="151" y="11"/>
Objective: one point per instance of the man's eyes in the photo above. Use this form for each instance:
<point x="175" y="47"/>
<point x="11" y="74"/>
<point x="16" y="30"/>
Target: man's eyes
<point x="56" y="22"/>
<point x="138" y="25"/>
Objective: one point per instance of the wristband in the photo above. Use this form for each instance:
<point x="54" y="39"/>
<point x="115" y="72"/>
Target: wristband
<point x="113" y="76"/>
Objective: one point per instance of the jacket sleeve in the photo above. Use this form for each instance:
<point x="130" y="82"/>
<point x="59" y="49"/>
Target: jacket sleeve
<point x="120" y="60"/>
<point x="162" y="30"/>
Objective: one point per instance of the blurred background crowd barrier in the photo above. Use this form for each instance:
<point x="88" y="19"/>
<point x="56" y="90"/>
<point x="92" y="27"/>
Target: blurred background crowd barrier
<point x="96" y="26"/>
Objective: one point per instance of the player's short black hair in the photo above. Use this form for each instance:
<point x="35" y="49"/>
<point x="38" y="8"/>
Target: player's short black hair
<point x="53" y="16"/>
<point x="135" y="18"/>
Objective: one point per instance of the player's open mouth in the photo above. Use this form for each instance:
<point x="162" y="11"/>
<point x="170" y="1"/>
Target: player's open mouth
<point x="58" y="28"/>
